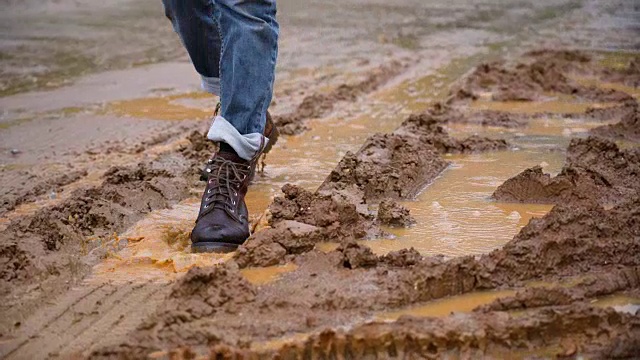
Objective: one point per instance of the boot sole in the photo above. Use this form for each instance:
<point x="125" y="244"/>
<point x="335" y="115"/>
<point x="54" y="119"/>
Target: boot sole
<point x="213" y="247"/>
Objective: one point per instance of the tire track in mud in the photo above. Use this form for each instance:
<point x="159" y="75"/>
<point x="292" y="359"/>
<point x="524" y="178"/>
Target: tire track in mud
<point x="320" y="104"/>
<point x="84" y="318"/>
<point x="33" y="325"/>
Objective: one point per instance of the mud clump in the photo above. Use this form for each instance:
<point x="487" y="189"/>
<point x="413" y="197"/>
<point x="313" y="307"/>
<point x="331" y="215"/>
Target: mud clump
<point x="129" y="193"/>
<point x="495" y="118"/>
<point x="565" y="59"/>
<point x="204" y="291"/>
<point x="357" y="256"/>
<point x="610" y="113"/>
<point x="124" y="197"/>
<point x="546" y="71"/>
<point x="472" y="335"/>
<point x="387" y="166"/>
<point x="36" y="187"/>
<point x="476" y="143"/>
<point x="427" y="127"/>
<point x="299" y="220"/>
<point x="402" y="258"/>
<point x="321" y="104"/>
<point x="628" y="128"/>
<point x="629" y="75"/>
<point x="595" y="169"/>
<point x="199" y="148"/>
<point x="448" y="113"/>
<point x="533" y="298"/>
<point x="400" y="164"/>
<point x="271" y="246"/>
<point x="390" y="213"/>
<point x="534" y="186"/>
<point x="201" y="293"/>
<point x="598" y="285"/>
<point x="315" y="209"/>
<point x="573" y="239"/>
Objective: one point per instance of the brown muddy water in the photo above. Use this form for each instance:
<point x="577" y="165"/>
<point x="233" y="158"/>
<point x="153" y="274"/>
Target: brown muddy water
<point x="620" y="303"/>
<point x="444" y="307"/>
<point x="455" y="214"/>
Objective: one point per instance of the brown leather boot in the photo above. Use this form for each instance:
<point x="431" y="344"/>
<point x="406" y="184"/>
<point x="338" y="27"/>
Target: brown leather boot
<point x="270" y="132"/>
<point x="223" y="221"/>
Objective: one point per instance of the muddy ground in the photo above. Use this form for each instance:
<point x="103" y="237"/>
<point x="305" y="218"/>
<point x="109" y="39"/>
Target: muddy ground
<point x="590" y="241"/>
<point x="70" y="288"/>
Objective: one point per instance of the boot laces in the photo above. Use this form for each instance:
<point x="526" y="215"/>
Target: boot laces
<point x="224" y="181"/>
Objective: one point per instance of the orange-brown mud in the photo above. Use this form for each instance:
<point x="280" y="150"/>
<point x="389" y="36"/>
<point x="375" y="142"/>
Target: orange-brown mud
<point x="328" y="305"/>
<point x="595" y="169"/>
<point x="626" y="128"/>
<point x="320" y="104"/>
<point x="596" y="247"/>
<point x="310" y="282"/>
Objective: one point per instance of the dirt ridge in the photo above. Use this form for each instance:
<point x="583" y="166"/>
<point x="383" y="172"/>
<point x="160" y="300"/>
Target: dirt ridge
<point x="322" y="103"/>
<point x="596" y="169"/>
<point x="333" y="297"/>
<point x="50" y="248"/>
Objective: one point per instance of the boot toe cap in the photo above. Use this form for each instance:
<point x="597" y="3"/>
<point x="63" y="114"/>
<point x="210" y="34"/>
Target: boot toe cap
<point x="218" y="234"/>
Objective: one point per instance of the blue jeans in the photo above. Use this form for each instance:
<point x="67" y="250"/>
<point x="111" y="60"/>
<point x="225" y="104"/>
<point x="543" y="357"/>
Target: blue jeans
<point x="233" y="44"/>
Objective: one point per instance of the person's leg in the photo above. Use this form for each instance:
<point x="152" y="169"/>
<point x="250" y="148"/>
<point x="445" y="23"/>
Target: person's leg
<point x="197" y="27"/>
<point x="249" y="33"/>
<point x="244" y="35"/>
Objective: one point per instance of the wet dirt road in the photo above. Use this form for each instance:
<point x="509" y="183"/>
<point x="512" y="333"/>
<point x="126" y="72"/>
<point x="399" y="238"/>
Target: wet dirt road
<point x="109" y="271"/>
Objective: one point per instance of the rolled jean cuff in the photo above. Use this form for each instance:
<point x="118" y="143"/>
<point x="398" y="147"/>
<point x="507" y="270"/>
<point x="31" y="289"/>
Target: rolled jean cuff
<point x="247" y="146"/>
<point x="211" y="85"/>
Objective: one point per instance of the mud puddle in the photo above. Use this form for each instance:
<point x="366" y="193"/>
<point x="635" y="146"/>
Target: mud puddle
<point x="447" y="306"/>
<point x="556" y="104"/>
<point x="455" y="215"/>
<point x="192" y="106"/>
<point x="620" y="303"/>
<point x="590" y="81"/>
<point x="156" y="248"/>
<point x="261" y="276"/>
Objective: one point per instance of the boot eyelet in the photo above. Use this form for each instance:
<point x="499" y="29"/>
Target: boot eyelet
<point x="209" y="191"/>
<point x="233" y="202"/>
<point x="235" y="193"/>
<point x="206" y="206"/>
